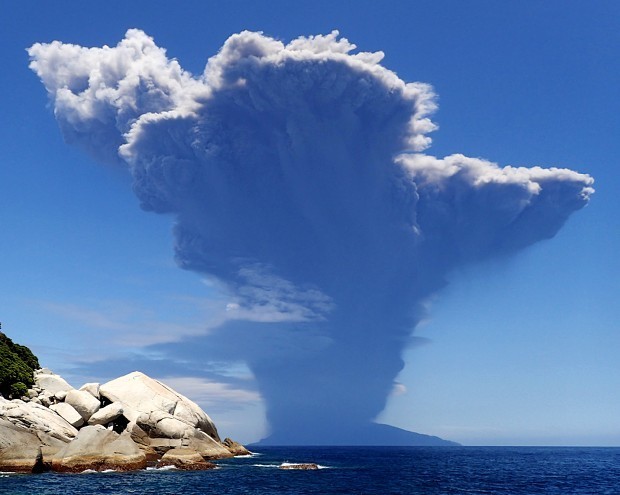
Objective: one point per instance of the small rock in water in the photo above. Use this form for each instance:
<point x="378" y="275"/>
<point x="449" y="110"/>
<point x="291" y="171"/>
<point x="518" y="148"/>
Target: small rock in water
<point x="302" y="466"/>
<point x="235" y="448"/>
<point x="185" y="459"/>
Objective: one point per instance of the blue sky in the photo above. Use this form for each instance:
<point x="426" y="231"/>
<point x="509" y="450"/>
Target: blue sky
<point x="519" y="351"/>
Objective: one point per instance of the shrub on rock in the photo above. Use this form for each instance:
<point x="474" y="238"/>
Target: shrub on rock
<point x="17" y="365"/>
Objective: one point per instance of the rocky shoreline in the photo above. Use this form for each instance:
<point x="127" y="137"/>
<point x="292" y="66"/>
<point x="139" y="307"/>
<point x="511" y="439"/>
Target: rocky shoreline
<point x="126" y="424"/>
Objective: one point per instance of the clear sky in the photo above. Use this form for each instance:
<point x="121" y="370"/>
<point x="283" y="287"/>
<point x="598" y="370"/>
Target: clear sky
<point x="517" y="351"/>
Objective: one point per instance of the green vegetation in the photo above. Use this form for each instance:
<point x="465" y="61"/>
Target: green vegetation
<point x="17" y="364"/>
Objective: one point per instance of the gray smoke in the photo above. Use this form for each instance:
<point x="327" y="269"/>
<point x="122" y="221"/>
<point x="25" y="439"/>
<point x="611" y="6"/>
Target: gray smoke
<point x="296" y="176"/>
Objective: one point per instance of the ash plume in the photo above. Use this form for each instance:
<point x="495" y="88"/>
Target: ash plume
<point x="297" y="179"/>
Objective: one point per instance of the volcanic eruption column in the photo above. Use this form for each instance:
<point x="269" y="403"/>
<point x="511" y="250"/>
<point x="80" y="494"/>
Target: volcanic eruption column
<point x="296" y="178"/>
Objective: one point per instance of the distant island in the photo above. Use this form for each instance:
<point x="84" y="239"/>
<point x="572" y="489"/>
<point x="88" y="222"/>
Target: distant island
<point x="374" y="434"/>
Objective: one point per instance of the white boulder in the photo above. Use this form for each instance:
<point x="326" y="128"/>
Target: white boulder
<point x="83" y="402"/>
<point x="46" y="398"/>
<point x="106" y="414"/>
<point x="140" y="394"/>
<point x="38" y="419"/>
<point x="68" y="413"/>
<point x="51" y="383"/>
<point x="92" y="389"/>
<point x="162" y="424"/>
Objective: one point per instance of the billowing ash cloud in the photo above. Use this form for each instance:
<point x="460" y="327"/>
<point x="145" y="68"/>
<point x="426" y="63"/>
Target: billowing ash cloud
<point x="297" y="179"/>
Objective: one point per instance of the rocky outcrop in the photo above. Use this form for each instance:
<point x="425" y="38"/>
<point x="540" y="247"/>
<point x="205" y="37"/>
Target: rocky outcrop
<point x="155" y="403"/>
<point x="20" y="450"/>
<point x="132" y="421"/>
<point x="235" y="448"/>
<point x="185" y="459"/>
<point x="37" y="419"/>
<point x="194" y="439"/>
<point x="99" y="449"/>
<point x="161" y="418"/>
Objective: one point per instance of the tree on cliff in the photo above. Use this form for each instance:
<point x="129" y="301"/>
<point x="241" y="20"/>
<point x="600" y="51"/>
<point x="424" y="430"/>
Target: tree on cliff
<point x="17" y="364"/>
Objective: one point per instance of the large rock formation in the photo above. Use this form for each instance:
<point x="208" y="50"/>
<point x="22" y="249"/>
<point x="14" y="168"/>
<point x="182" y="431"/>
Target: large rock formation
<point x="161" y="418"/>
<point x="99" y="449"/>
<point x="120" y="425"/>
<point x="157" y="405"/>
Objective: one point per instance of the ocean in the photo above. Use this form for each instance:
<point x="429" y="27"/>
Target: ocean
<point x="359" y="470"/>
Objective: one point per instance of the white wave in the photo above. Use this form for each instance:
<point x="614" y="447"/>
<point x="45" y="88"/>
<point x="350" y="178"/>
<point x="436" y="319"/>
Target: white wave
<point x="163" y="468"/>
<point x="266" y="465"/>
<point x="94" y="471"/>
<point x="247" y="456"/>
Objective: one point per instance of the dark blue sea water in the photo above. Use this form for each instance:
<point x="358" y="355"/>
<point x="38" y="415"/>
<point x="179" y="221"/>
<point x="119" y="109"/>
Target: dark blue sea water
<point x="360" y="470"/>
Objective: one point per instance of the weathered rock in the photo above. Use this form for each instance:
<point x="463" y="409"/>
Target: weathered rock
<point x="162" y="445"/>
<point x="20" y="450"/>
<point x="141" y="394"/>
<point x="51" y="383"/>
<point x="192" y="438"/>
<point x="206" y="446"/>
<point x="92" y="388"/>
<point x="99" y="449"/>
<point x="163" y="421"/>
<point x="44" y="422"/>
<point x="235" y="448"/>
<point x="137" y="434"/>
<point x="46" y="399"/>
<point x="302" y="466"/>
<point x="152" y="457"/>
<point x="159" y="424"/>
<point x="83" y="402"/>
<point x="68" y="413"/>
<point x="106" y="414"/>
<point x="185" y="459"/>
